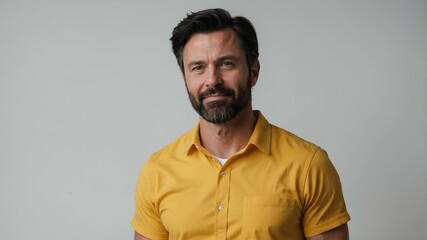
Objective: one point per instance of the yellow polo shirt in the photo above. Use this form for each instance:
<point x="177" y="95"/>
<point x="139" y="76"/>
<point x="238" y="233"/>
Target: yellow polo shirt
<point x="278" y="187"/>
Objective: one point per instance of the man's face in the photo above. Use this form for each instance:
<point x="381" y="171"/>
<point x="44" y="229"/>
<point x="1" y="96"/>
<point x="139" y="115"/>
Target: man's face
<point x="217" y="76"/>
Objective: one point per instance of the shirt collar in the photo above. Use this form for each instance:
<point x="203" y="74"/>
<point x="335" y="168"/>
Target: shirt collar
<point x="260" y="138"/>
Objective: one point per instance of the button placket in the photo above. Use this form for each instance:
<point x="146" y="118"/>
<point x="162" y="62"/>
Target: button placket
<point x="220" y="207"/>
<point x="222" y="198"/>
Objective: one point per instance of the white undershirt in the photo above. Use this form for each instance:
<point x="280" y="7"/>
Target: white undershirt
<point x="221" y="160"/>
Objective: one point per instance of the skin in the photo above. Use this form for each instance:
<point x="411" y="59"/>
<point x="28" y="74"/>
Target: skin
<point x="216" y="58"/>
<point x="338" y="233"/>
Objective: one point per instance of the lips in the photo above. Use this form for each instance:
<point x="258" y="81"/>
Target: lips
<point x="217" y="92"/>
<point x="215" y="97"/>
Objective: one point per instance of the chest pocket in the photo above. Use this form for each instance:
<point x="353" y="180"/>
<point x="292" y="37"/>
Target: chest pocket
<point x="270" y="217"/>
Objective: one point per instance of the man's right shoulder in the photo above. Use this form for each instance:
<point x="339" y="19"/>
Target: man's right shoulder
<point x="174" y="150"/>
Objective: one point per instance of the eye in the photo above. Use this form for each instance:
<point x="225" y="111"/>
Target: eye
<point x="197" y="68"/>
<point x="227" y="64"/>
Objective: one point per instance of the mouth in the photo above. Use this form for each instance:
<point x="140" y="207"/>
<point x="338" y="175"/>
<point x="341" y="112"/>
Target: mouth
<point x="216" y="94"/>
<point x="215" y="98"/>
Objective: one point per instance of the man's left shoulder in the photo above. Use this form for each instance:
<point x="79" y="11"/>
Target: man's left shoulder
<point x="286" y="139"/>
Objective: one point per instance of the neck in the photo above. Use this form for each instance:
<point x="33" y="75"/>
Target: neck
<point x="225" y="139"/>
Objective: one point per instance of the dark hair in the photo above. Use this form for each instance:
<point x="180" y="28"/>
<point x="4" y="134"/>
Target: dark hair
<point x="210" y="20"/>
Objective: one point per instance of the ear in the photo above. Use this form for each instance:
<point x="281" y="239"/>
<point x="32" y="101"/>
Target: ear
<point x="254" y="72"/>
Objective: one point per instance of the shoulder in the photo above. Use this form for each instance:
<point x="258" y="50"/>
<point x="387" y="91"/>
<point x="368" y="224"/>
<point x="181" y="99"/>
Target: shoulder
<point x="173" y="150"/>
<point x="287" y="142"/>
<point x="306" y="157"/>
<point x="280" y="143"/>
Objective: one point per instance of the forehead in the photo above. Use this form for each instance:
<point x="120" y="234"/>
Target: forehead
<point x="214" y="44"/>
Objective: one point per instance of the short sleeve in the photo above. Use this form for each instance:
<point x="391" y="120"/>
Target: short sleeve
<point x="323" y="207"/>
<point x="146" y="220"/>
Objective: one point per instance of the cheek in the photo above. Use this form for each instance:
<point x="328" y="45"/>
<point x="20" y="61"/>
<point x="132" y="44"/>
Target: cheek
<point x="244" y="80"/>
<point x="193" y="86"/>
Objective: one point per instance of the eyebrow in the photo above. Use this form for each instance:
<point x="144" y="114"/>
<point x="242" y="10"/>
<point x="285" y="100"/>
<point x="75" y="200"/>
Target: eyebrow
<point x="222" y="58"/>
<point x="197" y="62"/>
<point x="226" y="57"/>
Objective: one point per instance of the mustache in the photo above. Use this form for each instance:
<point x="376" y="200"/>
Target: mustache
<point x="216" y="90"/>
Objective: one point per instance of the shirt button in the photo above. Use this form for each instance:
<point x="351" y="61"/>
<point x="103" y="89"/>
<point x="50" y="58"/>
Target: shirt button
<point x="223" y="174"/>
<point x="220" y="208"/>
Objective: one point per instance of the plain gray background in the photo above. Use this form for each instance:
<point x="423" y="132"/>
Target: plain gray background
<point x="89" y="89"/>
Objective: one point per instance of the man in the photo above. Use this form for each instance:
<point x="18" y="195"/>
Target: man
<point x="234" y="176"/>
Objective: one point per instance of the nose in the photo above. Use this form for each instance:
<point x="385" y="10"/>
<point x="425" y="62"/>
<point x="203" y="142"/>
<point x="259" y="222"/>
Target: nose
<point x="213" y="77"/>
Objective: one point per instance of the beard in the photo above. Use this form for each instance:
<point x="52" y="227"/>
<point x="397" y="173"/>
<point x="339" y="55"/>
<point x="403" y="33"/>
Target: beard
<point x="221" y="111"/>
